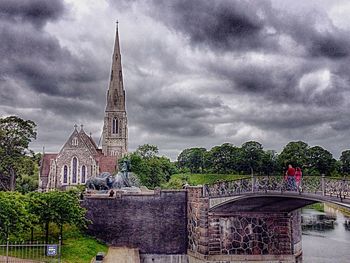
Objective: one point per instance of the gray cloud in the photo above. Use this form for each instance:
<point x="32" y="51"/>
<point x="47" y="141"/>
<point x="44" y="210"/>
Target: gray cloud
<point x="196" y="73"/>
<point x="37" y="12"/>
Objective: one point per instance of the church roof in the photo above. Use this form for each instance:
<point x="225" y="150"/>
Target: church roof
<point x="45" y="163"/>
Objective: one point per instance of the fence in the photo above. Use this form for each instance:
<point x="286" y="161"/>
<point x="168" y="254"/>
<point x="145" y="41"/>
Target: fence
<point x="321" y="185"/>
<point x="32" y="252"/>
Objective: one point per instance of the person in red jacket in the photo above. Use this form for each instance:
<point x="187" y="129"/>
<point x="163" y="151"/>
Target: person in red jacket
<point x="290" y="177"/>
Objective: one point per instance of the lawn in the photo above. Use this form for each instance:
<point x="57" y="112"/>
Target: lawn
<point x="178" y="180"/>
<point x="77" y="247"/>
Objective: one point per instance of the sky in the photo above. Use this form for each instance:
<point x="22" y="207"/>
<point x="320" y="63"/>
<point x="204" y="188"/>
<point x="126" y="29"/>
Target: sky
<point x="196" y="73"/>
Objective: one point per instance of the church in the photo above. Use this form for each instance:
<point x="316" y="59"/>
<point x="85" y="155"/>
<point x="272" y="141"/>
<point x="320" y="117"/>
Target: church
<point x="80" y="157"/>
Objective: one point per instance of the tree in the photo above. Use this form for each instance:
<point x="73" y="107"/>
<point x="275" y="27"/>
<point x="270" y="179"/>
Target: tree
<point x="345" y="161"/>
<point x="14" y="217"/>
<point x="15" y="136"/>
<point x="152" y="170"/>
<point x="222" y="159"/>
<point x="294" y="153"/>
<point x="147" y="151"/>
<point x="59" y="208"/>
<point x="252" y="153"/>
<point x="27" y="173"/>
<point x="320" y="161"/>
<point x="269" y="162"/>
<point x="192" y="158"/>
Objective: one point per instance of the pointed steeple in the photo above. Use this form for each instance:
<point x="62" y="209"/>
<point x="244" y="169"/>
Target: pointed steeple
<point x="115" y="128"/>
<point x="116" y="93"/>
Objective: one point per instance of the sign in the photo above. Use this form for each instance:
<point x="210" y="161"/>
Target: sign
<point x="51" y="250"/>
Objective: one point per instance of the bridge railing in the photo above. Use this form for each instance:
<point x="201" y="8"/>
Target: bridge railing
<point x="319" y="185"/>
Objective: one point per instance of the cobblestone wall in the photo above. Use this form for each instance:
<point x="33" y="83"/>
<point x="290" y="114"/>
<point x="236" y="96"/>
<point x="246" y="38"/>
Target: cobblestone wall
<point x="251" y="234"/>
<point x="215" y="233"/>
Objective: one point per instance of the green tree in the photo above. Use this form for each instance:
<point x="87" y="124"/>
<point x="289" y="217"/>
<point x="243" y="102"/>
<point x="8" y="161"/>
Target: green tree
<point x="345" y="161"/>
<point x="15" y="136"/>
<point x="222" y="159"/>
<point x="147" y="151"/>
<point x="252" y="153"/>
<point x="269" y="162"/>
<point x="14" y="217"/>
<point x="193" y="159"/>
<point x="27" y="173"/>
<point x="152" y="170"/>
<point x="59" y="208"/>
<point x="294" y="153"/>
<point x="320" y="161"/>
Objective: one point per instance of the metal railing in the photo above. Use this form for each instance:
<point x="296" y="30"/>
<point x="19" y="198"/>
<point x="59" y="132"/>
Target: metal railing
<point x="319" y="185"/>
<point x="32" y="252"/>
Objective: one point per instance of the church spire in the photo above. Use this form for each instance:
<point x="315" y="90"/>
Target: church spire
<point x="115" y="128"/>
<point x="116" y="93"/>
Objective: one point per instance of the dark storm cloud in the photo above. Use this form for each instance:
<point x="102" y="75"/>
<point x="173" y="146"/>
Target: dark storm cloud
<point x="172" y="112"/>
<point x="217" y="24"/>
<point x="37" y="12"/>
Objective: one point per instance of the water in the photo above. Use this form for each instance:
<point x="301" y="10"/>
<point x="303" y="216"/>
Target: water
<point x="327" y="246"/>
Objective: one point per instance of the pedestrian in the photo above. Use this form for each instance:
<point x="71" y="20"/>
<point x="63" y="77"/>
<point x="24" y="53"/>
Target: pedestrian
<point x="298" y="176"/>
<point x="290" y="178"/>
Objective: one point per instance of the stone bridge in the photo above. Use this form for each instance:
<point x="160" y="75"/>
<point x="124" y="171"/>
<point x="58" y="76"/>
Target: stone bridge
<point x="256" y="218"/>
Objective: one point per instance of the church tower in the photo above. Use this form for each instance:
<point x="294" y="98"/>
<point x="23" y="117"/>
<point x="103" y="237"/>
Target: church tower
<point x="115" y="128"/>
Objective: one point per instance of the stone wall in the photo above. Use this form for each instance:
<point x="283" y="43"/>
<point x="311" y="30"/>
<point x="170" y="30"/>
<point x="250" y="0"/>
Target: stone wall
<point x="197" y="213"/>
<point x="154" y="223"/>
<point x="251" y="234"/>
<point x="227" y="235"/>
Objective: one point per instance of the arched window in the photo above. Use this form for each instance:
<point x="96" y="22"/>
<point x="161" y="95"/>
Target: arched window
<point x="74" y="170"/>
<point x="65" y="174"/>
<point x="115" y="126"/>
<point x="83" y="174"/>
<point x="75" y="141"/>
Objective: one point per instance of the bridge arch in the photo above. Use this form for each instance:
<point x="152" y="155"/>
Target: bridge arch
<point x="269" y="202"/>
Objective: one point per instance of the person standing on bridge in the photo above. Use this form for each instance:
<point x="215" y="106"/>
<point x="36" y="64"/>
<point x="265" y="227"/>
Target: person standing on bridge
<point x="298" y="175"/>
<point x="290" y="177"/>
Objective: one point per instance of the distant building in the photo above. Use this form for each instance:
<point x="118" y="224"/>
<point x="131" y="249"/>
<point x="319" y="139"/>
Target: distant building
<point x="80" y="157"/>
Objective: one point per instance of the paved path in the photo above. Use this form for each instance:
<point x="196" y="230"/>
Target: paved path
<point x="122" y="255"/>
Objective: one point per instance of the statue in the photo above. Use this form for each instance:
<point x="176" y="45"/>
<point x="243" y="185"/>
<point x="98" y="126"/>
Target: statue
<point x="103" y="181"/>
<point x="123" y="180"/>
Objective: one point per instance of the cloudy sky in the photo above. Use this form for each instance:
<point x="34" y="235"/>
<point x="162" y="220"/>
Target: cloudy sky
<point x="196" y="73"/>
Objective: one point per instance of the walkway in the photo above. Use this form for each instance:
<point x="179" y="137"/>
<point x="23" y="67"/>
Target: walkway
<point x="122" y="255"/>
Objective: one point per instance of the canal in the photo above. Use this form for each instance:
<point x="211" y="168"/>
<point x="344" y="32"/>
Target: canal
<point x="326" y="244"/>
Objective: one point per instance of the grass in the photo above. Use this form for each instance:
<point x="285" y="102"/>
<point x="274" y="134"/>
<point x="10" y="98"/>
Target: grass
<point x="178" y="180"/>
<point x="317" y="206"/>
<point x="77" y="247"/>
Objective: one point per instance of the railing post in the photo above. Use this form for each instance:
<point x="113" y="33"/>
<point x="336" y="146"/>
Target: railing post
<point x="323" y="185"/>
<point x="7" y="250"/>
<point x="59" y="248"/>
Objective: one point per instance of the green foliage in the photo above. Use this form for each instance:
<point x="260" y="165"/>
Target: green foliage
<point x="151" y="169"/>
<point x="223" y="159"/>
<point x="14" y="216"/>
<point x="59" y="208"/>
<point x="15" y="136"/>
<point x="252" y="154"/>
<point x="320" y="160"/>
<point x="177" y="181"/>
<point x="294" y="153"/>
<point x="192" y="159"/>
<point x="345" y="161"/>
